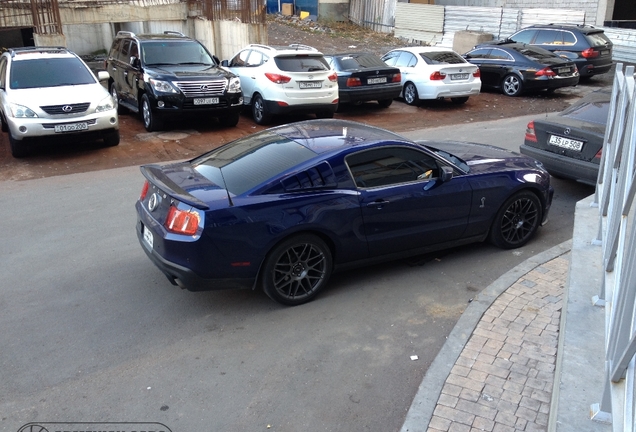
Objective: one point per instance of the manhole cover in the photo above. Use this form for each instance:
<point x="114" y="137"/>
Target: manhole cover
<point x="174" y="136"/>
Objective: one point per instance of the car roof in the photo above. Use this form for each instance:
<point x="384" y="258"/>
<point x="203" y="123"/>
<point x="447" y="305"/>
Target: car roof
<point x="332" y="135"/>
<point x="167" y="35"/>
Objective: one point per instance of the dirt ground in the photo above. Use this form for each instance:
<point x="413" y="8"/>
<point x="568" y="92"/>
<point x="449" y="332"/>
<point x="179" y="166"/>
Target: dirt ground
<point x="187" y="139"/>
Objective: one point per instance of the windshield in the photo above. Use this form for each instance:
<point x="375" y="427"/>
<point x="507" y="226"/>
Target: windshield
<point x="49" y="72"/>
<point x="175" y="53"/>
<point x="247" y="162"/>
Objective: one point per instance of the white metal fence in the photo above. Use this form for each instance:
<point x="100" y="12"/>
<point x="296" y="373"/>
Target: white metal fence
<point x="615" y="192"/>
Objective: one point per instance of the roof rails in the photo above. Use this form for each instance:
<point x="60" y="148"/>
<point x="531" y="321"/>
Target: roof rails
<point x="123" y="33"/>
<point x="176" y="33"/>
<point x="37" y="49"/>
<point x="298" y="46"/>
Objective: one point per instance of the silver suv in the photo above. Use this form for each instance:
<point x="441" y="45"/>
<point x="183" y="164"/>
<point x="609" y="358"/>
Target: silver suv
<point x="49" y="93"/>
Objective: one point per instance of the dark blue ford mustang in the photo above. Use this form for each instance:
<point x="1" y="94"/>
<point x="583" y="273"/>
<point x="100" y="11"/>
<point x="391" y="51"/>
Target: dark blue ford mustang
<point x="285" y="207"/>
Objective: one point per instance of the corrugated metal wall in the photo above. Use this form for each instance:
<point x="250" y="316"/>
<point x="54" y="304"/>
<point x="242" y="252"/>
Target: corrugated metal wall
<point x="377" y="15"/>
<point x="427" y="27"/>
<point x="624" y="41"/>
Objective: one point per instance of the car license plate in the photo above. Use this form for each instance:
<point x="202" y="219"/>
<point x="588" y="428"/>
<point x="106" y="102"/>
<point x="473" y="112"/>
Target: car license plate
<point x="459" y="76"/>
<point x="206" y="101"/>
<point x="147" y="236"/>
<point x="71" y="127"/>
<point x="380" y="80"/>
<point x="566" y="143"/>
<point x="309" y="84"/>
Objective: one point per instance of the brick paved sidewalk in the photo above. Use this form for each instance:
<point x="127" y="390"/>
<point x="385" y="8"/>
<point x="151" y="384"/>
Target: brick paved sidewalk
<point x="503" y="378"/>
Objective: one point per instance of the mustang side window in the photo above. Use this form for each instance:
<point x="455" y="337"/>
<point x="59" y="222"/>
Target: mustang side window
<point x="389" y="166"/>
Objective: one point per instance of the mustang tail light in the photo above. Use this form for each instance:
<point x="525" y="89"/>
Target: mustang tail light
<point x="182" y="221"/>
<point x="545" y="72"/>
<point x="144" y="190"/>
<point x="477" y="73"/>
<point x="333" y="77"/>
<point x="530" y="133"/>
<point x="353" y="82"/>
<point x="437" y="76"/>
<point x="397" y="77"/>
<point x="277" y="78"/>
<point x="590" y="53"/>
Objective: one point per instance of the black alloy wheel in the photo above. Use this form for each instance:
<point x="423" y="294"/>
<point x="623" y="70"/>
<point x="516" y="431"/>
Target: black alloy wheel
<point x="297" y="269"/>
<point x="516" y="221"/>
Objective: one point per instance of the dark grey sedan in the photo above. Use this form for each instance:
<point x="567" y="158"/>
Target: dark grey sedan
<point x="570" y="144"/>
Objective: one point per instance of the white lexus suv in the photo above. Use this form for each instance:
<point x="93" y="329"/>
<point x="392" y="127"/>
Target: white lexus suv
<point x="282" y="80"/>
<point x="49" y="94"/>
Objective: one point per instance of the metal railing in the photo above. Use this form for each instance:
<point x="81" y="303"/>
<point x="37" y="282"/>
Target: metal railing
<point x="615" y="192"/>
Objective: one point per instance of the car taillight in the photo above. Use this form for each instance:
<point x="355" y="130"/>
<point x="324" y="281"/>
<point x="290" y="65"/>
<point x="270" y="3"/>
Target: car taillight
<point x="144" y="190"/>
<point x="182" y="221"/>
<point x="599" y="154"/>
<point x="333" y="77"/>
<point x="397" y="77"/>
<point x="477" y="73"/>
<point x="436" y="76"/>
<point x="277" y="78"/>
<point x="530" y="133"/>
<point x="353" y="82"/>
<point x="590" y="53"/>
<point x="545" y="72"/>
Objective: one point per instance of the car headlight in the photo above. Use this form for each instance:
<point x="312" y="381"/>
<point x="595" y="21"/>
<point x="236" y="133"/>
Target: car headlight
<point x="235" y="85"/>
<point x="105" y="104"/>
<point x="20" y="111"/>
<point x="162" y="86"/>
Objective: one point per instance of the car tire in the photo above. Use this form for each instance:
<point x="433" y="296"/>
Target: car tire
<point x="111" y="139"/>
<point x="385" y="103"/>
<point x="152" y="122"/>
<point x="115" y="95"/>
<point x="326" y="114"/>
<point x="19" y="148"/>
<point x="516" y="221"/>
<point x="4" y="125"/>
<point x="511" y="85"/>
<point x="410" y="94"/>
<point x="297" y="269"/>
<point x="259" y="111"/>
<point x="459" y="100"/>
<point x="229" y="120"/>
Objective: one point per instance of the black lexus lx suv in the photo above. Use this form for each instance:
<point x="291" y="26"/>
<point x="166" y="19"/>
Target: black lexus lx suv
<point x="168" y="75"/>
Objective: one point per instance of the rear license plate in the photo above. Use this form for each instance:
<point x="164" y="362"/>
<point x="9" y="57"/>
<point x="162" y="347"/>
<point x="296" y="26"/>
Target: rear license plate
<point x="381" y="80"/>
<point x="206" y="101"/>
<point x="147" y="236"/>
<point x="459" y="76"/>
<point x="71" y="127"/>
<point x="565" y="143"/>
<point x="563" y="70"/>
<point x="605" y="52"/>
<point x="309" y="84"/>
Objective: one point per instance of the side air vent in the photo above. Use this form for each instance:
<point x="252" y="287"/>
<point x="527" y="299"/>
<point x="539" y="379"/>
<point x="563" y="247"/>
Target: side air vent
<point x="320" y="176"/>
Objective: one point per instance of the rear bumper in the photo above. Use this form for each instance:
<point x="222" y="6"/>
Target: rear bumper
<point x="562" y="166"/>
<point x="274" y="108"/>
<point x="359" y="94"/>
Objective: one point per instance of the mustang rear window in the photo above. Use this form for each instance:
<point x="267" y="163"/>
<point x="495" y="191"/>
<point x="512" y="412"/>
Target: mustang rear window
<point x="49" y="72"/>
<point x="247" y="162"/>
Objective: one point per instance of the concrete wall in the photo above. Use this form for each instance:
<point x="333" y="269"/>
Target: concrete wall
<point x="333" y="10"/>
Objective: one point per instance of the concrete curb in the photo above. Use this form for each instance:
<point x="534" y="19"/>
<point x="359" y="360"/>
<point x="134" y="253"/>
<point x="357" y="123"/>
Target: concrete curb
<point x="425" y="401"/>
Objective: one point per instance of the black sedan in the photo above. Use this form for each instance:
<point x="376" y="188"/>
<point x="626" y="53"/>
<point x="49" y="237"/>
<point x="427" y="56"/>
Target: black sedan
<point x="570" y="144"/>
<point x="516" y="67"/>
<point x="364" y="77"/>
<point x="283" y="208"/>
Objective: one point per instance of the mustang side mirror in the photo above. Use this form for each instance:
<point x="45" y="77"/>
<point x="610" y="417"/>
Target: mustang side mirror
<point x="446" y="174"/>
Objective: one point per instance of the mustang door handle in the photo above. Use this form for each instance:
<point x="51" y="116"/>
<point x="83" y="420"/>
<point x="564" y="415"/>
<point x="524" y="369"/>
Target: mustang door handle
<point x="378" y="204"/>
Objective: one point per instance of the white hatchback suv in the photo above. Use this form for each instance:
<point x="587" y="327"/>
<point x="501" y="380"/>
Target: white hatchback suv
<point x="281" y="80"/>
<point x="50" y="94"/>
